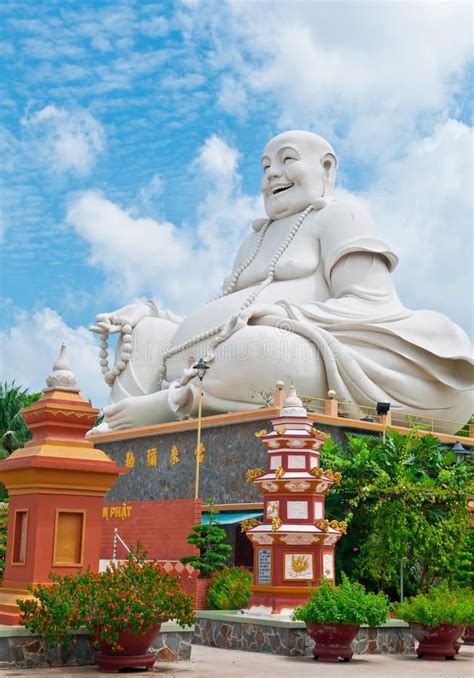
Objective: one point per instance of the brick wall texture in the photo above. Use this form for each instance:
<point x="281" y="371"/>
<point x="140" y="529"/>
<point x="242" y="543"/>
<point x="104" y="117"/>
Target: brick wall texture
<point x="161" y="527"/>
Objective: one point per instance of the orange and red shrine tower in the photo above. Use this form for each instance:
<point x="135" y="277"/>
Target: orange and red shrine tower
<point x="56" y="484"/>
<point x="294" y="545"/>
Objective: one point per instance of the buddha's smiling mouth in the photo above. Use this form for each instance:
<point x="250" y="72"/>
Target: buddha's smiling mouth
<point x="281" y="188"/>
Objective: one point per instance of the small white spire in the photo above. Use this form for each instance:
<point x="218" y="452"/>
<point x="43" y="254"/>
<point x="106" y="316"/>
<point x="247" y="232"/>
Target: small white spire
<point x="293" y="406"/>
<point x="62" y="377"/>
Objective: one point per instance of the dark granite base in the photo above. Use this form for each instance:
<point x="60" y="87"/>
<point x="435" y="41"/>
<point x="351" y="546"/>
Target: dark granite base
<point x="21" y="649"/>
<point x="230" y="451"/>
<point x="220" y="629"/>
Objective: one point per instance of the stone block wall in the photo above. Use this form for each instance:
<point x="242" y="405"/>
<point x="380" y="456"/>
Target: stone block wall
<point x="291" y="638"/>
<point x="21" y="649"/>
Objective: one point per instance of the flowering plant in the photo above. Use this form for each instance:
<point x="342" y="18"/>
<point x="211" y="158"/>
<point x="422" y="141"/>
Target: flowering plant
<point x="135" y="595"/>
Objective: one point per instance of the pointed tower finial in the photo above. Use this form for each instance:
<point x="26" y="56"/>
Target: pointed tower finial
<point x="293" y="406"/>
<point x="62" y="377"/>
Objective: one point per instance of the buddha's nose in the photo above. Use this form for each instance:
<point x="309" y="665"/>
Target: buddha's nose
<point x="273" y="172"/>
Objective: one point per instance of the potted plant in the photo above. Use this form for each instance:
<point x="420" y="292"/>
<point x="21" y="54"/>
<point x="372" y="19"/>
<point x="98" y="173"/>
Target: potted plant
<point x="230" y="589"/>
<point x="209" y="538"/>
<point x="333" y="615"/>
<point x="437" y="619"/>
<point x="121" y="609"/>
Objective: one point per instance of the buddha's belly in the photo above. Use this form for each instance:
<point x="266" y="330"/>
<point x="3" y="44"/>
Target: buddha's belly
<point x="217" y="312"/>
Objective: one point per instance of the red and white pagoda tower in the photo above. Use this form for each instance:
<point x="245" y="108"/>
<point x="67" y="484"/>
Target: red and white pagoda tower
<point x="294" y="545"/>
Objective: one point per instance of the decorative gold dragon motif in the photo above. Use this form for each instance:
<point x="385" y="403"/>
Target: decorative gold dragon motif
<point x="276" y="524"/>
<point x="316" y="432"/>
<point x="253" y="473"/>
<point x="248" y="524"/>
<point x="324" y="525"/>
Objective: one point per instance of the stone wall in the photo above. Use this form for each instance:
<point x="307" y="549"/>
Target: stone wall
<point x="21" y="649"/>
<point x="236" y="632"/>
<point x="230" y="451"/>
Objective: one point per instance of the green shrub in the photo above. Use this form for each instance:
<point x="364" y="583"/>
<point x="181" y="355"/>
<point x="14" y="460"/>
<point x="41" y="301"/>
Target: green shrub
<point x="230" y="589"/>
<point x="439" y="606"/>
<point x="348" y="603"/>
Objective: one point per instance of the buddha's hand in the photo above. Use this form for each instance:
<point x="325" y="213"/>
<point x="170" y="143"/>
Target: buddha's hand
<point x="182" y="396"/>
<point x="115" y="320"/>
<point x="256" y="311"/>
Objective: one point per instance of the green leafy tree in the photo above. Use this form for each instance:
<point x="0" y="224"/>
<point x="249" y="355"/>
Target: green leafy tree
<point x="405" y="501"/>
<point x="209" y="539"/>
<point x="464" y="575"/>
<point x="14" y="432"/>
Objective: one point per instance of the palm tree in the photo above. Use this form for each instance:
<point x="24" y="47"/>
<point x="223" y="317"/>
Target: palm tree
<point x="14" y="432"/>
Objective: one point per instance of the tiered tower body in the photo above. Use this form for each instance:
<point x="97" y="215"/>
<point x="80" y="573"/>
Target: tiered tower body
<point x="294" y="545"/>
<point x="56" y="485"/>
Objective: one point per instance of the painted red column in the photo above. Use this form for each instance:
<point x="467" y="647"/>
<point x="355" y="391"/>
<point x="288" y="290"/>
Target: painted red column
<point x="56" y="485"/>
<point x="294" y="545"/>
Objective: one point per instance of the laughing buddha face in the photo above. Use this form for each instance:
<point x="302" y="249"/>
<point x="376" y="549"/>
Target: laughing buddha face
<point x="298" y="167"/>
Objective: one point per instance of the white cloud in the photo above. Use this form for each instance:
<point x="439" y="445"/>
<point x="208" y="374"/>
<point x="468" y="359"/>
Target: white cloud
<point x="218" y="159"/>
<point x="422" y="204"/>
<point x="151" y="191"/>
<point x="365" y="73"/>
<point x="30" y="346"/>
<point x="178" y="266"/>
<point x="66" y="141"/>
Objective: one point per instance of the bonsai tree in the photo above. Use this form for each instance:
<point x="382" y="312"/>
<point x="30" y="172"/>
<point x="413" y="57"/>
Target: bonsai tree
<point x="209" y="539"/>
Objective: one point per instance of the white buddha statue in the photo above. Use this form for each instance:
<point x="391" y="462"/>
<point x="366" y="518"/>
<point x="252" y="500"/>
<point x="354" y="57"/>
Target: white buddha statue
<point x="310" y="297"/>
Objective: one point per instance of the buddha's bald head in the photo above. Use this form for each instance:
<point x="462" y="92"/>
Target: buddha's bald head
<point x="298" y="168"/>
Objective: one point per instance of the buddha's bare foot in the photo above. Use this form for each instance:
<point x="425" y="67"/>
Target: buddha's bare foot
<point x="133" y="412"/>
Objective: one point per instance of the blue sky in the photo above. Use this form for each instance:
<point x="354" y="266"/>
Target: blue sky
<point x="131" y="137"/>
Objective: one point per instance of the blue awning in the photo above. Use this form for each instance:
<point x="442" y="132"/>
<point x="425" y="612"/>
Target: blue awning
<point x="231" y="517"/>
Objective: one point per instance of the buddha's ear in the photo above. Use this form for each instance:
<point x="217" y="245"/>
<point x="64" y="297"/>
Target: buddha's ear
<point x="329" y="165"/>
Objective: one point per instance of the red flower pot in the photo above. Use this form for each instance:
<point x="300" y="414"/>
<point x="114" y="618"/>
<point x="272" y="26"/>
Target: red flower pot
<point x="468" y="635"/>
<point x="134" y="653"/>
<point x="332" y="642"/>
<point x="436" y="642"/>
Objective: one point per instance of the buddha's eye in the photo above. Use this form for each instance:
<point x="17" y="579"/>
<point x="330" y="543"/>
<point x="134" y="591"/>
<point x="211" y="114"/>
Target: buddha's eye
<point x="289" y="158"/>
<point x="265" y="167"/>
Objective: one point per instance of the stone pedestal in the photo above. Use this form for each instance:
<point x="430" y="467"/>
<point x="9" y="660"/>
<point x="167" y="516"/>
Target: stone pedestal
<point x="56" y="485"/>
<point x="294" y="545"/>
